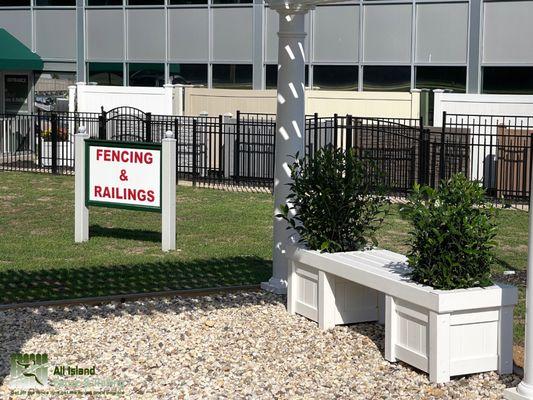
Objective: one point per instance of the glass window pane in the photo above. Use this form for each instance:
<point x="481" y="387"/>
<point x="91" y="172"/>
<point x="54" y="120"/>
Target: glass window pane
<point x="178" y="2"/>
<point x="188" y="74"/>
<point x="450" y="78"/>
<point x="232" y="76"/>
<point x="104" y="2"/>
<point x="508" y="80"/>
<point x="335" y="77"/>
<point x="110" y="74"/>
<point x="146" y="2"/>
<point x="55" y="3"/>
<point x="142" y="74"/>
<point x="386" y="79"/>
<point x="447" y="78"/>
<point x="231" y="1"/>
<point x="51" y="90"/>
<point x="15" y="3"/>
<point x="271" y="76"/>
<point x="16" y="93"/>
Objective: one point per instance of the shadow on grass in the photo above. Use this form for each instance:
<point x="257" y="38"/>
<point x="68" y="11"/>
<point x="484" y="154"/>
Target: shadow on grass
<point x="17" y="326"/>
<point x="121" y="233"/>
<point x="18" y="286"/>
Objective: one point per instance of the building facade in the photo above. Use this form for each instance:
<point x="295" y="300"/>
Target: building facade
<point x="470" y="46"/>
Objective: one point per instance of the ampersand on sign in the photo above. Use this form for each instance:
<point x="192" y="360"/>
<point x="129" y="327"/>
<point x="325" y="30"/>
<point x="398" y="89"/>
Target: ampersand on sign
<point x="123" y="176"/>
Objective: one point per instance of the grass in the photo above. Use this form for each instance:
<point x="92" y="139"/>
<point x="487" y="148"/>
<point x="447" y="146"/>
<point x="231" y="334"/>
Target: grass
<point x="224" y="239"/>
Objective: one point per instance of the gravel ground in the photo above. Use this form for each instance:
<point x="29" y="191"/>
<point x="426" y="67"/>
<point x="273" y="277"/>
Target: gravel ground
<point x="240" y="345"/>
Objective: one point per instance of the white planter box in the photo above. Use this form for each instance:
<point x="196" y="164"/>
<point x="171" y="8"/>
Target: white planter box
<point x="65" y="153"/>
<point x="442" y="332"/>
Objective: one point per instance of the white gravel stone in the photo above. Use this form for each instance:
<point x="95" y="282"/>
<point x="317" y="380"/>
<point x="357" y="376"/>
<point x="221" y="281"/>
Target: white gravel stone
<point x="229" y="346"/>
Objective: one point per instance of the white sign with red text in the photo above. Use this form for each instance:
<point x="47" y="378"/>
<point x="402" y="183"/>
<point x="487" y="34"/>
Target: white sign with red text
<point x="125" y="176"/>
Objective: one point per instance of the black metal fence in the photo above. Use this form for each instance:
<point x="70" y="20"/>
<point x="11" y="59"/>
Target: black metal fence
<point x="239" y="150"/>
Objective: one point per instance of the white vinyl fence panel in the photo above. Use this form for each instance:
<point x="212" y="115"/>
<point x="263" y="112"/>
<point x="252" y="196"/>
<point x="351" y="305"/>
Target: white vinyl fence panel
<point x="156" y="100"/>
<point x="481" y="104"/>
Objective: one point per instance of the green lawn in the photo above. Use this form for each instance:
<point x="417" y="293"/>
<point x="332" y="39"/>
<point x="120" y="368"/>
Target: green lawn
<point x="224" y="239"/>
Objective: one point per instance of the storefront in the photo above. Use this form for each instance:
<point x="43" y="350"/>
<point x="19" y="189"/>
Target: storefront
<point x="17" y="66"/>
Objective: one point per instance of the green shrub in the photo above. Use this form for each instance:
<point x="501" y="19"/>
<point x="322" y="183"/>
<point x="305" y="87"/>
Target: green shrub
<point x="452" y="235"/>
<point x="335" y="207"/>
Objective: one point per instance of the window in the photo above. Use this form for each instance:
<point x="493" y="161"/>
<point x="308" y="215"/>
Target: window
<point x="146" y="2"/>
<point x="335" y="77"/>
<point x="55" y="3"/>
<point x="450" y="78"/>
<point x="510" y="80"/>
<point x="104" y="2"/>
<point x="16" y="93"/>
<point x="178" y="2"/>
<point x="15" y="3"/>
<point x="232" y="1"/>
<point x="142" y="74"/>
<point x="232" y="76"/>
<point x="271" y="76"/>
<point x="51" y="90"/>
<point x="188" y="74"/>
<point x="386" y="79"/>
<point x="110" y="74"/>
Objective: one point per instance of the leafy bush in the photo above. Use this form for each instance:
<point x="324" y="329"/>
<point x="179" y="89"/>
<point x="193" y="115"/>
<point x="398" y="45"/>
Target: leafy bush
<point x="335" y="207"/>
<point x="452" y="235"/>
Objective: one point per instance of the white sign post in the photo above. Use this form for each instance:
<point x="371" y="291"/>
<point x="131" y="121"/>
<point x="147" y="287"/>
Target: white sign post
<point x="168" y="193"/>
<point x="81" y="212"/>
<point x="129" y="175"/>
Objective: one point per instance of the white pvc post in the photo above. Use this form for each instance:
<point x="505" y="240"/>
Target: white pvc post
<point x="168" y="192"/>
<point x="81" y="212"/>
<point x="524" y="390"/>
<point x="290" y="125"/>
<point x="72" y="98"/>
<point x="169" y="99"/>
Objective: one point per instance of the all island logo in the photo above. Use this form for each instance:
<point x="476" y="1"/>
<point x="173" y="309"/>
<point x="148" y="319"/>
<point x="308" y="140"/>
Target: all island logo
<point x="30" y="372"/>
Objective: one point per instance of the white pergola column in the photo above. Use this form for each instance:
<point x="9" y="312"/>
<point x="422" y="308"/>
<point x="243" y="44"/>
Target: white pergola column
<point x="290" y="127"/>
<point x="524" y="390"/>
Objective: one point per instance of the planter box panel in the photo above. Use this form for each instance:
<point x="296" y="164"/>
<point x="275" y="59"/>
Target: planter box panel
<point x="412" y="332"/>
<point x="474" y="345"/>
<point x="307" y="291"/>
<point x="354" y="303"/>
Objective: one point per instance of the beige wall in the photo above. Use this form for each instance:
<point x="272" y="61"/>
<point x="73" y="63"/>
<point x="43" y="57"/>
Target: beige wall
<point x="221" y="101"/>
<point x="364" y="104"/>
<point x="325" y="103"/>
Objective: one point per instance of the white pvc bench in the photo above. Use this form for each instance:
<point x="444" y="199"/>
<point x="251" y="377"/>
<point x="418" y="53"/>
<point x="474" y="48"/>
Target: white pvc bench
<point x="442" y="332"/>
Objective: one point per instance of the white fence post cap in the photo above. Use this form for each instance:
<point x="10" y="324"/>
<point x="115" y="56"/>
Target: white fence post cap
<point x="169" y="135"/>
<point x="82" y="130"/>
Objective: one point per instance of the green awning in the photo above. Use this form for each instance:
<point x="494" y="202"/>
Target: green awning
<point x="15" y="56"/>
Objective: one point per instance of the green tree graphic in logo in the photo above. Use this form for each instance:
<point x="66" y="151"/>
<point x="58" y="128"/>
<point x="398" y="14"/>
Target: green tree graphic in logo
<point x="29" y="371"/>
